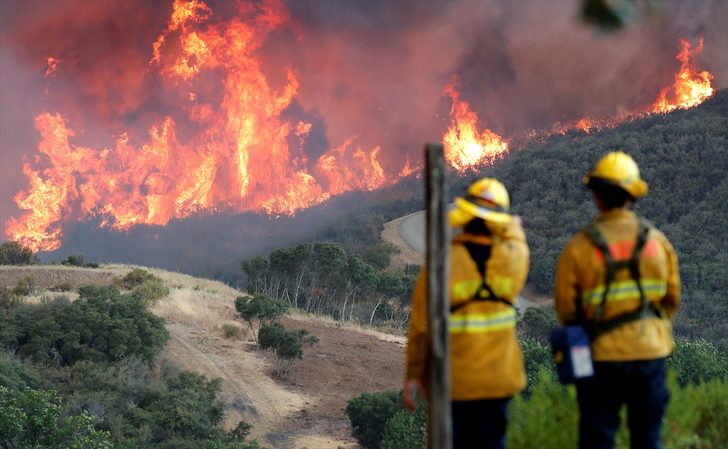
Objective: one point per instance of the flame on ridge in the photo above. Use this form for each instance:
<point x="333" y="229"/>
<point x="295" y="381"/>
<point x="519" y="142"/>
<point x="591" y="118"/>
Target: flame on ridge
<point x="465" y="146"/>
<point x="690" y="88"/>
<point x="238" y="161"/>
<point x="244" y="156"/>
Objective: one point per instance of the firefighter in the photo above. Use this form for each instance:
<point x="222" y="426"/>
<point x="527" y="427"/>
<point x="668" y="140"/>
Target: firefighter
<point x="619" y="278"/>
<point x="488" y="266"/>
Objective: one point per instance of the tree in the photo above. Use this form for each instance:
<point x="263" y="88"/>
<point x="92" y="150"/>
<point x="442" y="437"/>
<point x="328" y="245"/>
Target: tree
<point x="13" y="253"/>
<point x="287" y="345"/>
<point x="259" y="310"/>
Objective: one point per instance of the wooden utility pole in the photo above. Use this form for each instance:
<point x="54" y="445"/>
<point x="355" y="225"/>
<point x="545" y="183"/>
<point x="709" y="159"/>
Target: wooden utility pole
<point x="438" y="281"/>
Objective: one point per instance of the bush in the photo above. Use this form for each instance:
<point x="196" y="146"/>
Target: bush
<point x="27" y="286"/>
<point x="538" y="323"/>
<point x="406" y="430"/>
<point x="136" y="277"/>
<point x="14" y="375"/>
<point x="187" y="408"/>
<point x="538" y="362"/>
<point x="369" y="413"/>
<point x="697" y="416"/>
<point x="287" y="345"/>
<point x="102" y="326"/>
<point x="75" y="260"/>
<point x="79" y="261"/>
<point x="150" y="291"/>
<point x="62" y="287"/>
<point x="698" y="361"/>
<point x="230" y="330"/>
<point x="33" y="419"/>
<point x="546" y="419"/>
<point x="9" y="299"/>
<point x="13" y="253"/>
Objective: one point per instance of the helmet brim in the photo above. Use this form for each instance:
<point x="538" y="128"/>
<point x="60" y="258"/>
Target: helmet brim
<point x="637" y="188"/>
<point x="465" y="208"/>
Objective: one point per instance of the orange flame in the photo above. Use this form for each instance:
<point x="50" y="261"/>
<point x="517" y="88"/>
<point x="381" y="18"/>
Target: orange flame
<point x="465" y="146"/>
<point x="52" y="65"/>
<point x="691" y="87"/>
<point x="584" y="124"/>
<point x="239" y="161"/>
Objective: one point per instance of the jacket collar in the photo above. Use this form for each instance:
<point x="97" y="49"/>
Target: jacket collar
<point x="616" y="214"/>
<point x="465" y="237"/>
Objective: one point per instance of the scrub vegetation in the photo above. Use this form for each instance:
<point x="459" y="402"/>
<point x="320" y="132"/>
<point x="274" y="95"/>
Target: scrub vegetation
<point x="545" y="415"/>
<point x="86" y="374"/>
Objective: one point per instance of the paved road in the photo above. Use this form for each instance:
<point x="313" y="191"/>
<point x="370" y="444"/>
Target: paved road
<point x="412" y="232"/>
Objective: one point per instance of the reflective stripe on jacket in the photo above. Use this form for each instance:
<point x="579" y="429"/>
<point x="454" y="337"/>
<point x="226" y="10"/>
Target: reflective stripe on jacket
<point x="580" y="277"/>
<point x="485" y="358"/>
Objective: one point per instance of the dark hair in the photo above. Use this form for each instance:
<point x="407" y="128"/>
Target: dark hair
<point x="612" y="195"/>
<point x="476" y="226"/>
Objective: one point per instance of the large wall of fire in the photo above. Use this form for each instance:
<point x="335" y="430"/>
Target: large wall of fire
<point x="215" y="111"/>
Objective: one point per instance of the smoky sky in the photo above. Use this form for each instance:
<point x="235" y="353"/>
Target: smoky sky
<point x="374" y="70"/>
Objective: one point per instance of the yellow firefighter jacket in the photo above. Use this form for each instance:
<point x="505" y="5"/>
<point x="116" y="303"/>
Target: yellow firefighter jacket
<point x="580" y="278"/>
<point x="485" y="358"/>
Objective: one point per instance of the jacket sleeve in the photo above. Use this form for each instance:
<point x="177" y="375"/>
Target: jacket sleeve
<point x="417" y="339"/>
<point x="671" y="301"/>
<point x="566" y="289"/>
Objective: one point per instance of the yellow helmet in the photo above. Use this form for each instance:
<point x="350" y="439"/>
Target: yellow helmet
<point x="618" y="168"/>
<point x="486" y="198"/>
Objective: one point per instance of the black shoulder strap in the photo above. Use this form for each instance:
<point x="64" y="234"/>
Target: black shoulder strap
<point x="599" y="326"/>
<point x="480" y="255"/>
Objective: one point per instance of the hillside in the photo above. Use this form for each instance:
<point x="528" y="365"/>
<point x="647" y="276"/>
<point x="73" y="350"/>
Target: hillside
<point x="305" y="411"/>
<point x="683" y="156"/>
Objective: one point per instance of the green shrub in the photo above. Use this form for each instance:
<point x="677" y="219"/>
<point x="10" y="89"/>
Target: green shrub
<point x="231" y="330"/>
<point x="546" y="419"/>
<point x="287" y="345"/>
<point x="15" y="375"/>
<point x="150" y="291"/>
<point x="369" y="413"/>
<point x="136" y="277"/>
<point x="698" y="361"/>
<point x="538" y="361"/>
<point x="406" y="430"/>
<point x="9" y="299"/>
<point x="9" y="333"/>
<point x="27" y="286"/>
<point x="34" y="419"/>
<point x="76" y="260"/>
<point x="62" y="287"/>
<point x="697" y="416"/>
<point x="538" y="323"/>
<point x="102" y="325"/>
<point x="186" y="409"/>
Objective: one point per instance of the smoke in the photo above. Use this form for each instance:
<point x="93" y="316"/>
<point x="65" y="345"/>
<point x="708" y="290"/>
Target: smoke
<point x="372" y="72"/>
